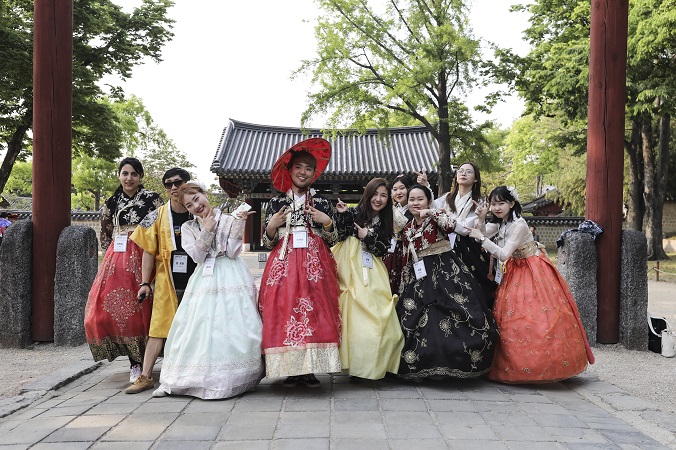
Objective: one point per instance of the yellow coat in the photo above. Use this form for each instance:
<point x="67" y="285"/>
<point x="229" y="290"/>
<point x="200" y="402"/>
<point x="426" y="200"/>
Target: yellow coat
<point x="155" y="235"/>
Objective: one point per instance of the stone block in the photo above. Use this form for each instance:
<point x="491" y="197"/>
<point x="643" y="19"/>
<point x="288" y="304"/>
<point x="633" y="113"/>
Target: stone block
<point x="16" y="285"/>
<point x="578" y="265"/>
<point x="76" y="266"/>
<point x="634" y="290"/>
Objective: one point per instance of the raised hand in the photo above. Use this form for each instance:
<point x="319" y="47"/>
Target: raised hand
<point x="422" y="177"/>
<point x="279" y="218"/>
<point x="317" y="216"/>
<point x="209" y="221"/>
<point x="243" y="214"/>
<point x="481" y="210"/>
<point x="361" y="232"/>
<point x="341" y="206"/>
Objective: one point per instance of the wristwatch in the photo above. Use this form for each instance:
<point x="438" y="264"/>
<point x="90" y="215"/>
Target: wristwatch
<point x="482" y="239"/>
<point x="145" y="284"/>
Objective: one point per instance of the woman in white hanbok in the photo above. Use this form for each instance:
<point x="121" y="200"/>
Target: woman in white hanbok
<point x="214" y="346"/>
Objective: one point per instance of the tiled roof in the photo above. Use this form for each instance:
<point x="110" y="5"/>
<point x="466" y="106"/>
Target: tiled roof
<point x="249" y="151"/>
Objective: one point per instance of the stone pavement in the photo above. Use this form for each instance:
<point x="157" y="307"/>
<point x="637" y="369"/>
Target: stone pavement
<point x="92" y="411"/>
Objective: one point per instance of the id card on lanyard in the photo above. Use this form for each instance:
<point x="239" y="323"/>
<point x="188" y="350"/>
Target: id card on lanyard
<point x="180" y="264"/>
<point x="366" y="259"/>
<point x="300" y="239"/>
<point x="393" y="245"/>
<point x="209" y="264"/>
<point x="498" y="273"/>
<point x="120" y="245"/>
<point x="419" y="269"/>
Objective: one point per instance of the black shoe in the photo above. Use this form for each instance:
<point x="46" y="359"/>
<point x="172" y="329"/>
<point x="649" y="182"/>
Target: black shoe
<point x="291" y="382"/>
<point x="311" y="381"/>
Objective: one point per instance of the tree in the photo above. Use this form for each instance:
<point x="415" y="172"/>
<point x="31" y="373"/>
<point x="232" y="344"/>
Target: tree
<point x="416" y="58"/>
<point x="553" y="78"/>
<point x="106" y="41"/>
<point x="93" y="181"/>
<point x="21" y="180"/>
<point x="143" y="139"/>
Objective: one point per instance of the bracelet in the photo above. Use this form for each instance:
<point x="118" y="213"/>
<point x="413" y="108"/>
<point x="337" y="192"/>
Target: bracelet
<point x="328" y="225"/>
<point x="145" y="284"/>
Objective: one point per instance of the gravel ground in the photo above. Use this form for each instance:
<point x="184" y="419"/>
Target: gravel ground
<point x="646" y="375"/>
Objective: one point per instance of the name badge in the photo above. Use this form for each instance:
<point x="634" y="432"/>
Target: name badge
<point x="300" y="239"/>
<point x="452" y="237"/>
<point x="120" y="245"/>
<point x="367" y="260"/>
<point x="498" y="274"/>
<point x="209" y="264"/>
<point x="180" y="264"/>
<point x="419" y="269"/>
<point x="393" y="245"/>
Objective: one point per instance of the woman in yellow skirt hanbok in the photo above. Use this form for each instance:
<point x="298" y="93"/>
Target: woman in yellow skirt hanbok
<point x="372" y="338"/>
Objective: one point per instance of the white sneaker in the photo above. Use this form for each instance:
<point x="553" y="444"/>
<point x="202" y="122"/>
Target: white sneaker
<point x="134" y="373"/>
<point x="159" y="393"/>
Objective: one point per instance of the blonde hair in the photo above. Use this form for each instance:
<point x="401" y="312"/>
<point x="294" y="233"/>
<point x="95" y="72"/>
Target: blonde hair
<point x="189" y="189"/>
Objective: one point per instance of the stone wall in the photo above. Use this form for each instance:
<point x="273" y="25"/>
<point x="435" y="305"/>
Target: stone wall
<point x="550" y="228"/>
<point x="669" y="218"/>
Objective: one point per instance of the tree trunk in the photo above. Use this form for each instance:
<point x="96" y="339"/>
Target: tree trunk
<point x="657" y="251"/>
<point x="445" y="176"/>
<point x="13" y="150"/>
<point x="635" y="205"/>
<point x="650" y="194"/>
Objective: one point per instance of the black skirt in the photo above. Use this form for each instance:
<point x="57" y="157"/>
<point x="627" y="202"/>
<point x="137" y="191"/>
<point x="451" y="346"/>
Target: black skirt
<point x="449" y="331"/>
<point x="477" y="261"/>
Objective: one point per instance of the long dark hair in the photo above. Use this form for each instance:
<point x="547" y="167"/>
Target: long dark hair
<point x="476" y="187"/>
<point x="502" y="193"/>
<point x="366" y="212"/>
<point x="425" y="189"/>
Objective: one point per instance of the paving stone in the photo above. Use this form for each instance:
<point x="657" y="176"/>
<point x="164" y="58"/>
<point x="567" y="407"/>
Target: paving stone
<point x="412" y="417"/>
<point x="347" y="391"/>
<point x="413" y="431"/>
<point x="558" y="420"/>
<point x="440" y="393"/>
<point x="360" y="444"/>
<point x="137" y="445"/>
<point x="209" y="406"/>
<point x="182" y="445"/>
<point x="164" y="405"/>
<point x="426" y="444"/>
<point x="303" y="424"/>
<point x="625" y="402"/>
<point x="112" y="408"/>
<point x="576" y="435"/>
<point x="477" y="431"/>
<point x="307" y="404"/>
<point x="478" y="444"/>
<point x="305" y="444"/>
<point x="192" y="432"/>
<point x="357" y="424"/>
<point x="403" y="404"/>
<point x="34" y="430"/>
<point x="493" y="406"/>
<point x="451" y="405"/>
<point x="249" y="426"/>
<point x="65" y="411"/>
<point x="242" y="445"/>
<point x="524" y="445"/>
<point x="488" y="394"/>
<point x="507" y="418"/>
<point x="398" y="392"/>
<point x="60" y="446"/>
<point x="141" y="427"/>
<point x="85" y="428"/>
<point x="459" y="418"/>
<point x="529" y="398"/>
<point x="356" y="404"/>
<point x="258" y="404"/>
<point x="629" y="437"/>
<point x="546" y="408"/>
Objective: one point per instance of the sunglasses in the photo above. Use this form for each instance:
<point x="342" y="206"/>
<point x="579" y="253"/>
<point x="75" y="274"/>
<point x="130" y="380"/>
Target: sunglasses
<point x="177" y="183"/>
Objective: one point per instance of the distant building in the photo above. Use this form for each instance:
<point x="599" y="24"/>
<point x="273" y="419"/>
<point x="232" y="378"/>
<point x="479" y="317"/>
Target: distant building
<point x="542" y="206"/>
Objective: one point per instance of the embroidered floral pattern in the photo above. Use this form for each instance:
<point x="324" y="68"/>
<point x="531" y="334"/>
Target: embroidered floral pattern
<point x="278" y="270"/>
<point x="297" y="330"/>
<point x="120" y="304"/>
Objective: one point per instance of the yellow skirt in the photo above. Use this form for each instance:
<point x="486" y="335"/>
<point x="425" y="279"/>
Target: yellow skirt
<point x="372" y="338"/>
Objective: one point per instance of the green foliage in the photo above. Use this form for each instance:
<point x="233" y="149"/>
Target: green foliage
<point x="143" y="139"/>
<point x="21" y="180"/>
<point x="106" y="41"/>
<point x="93" y="181"/>
<point x="412" y="58"/>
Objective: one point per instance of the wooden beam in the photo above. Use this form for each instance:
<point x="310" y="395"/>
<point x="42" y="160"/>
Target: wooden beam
<point x="52" y="140"/>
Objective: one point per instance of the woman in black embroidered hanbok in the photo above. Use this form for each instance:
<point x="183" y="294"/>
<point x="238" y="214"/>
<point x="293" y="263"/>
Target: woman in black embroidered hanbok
<point x="449" y="330"/>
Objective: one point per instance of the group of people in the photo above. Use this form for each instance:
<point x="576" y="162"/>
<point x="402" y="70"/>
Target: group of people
<point x="401" y="285"/>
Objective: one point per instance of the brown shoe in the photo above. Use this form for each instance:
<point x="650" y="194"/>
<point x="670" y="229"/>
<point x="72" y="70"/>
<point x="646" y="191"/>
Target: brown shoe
<point x="143" y="383"/>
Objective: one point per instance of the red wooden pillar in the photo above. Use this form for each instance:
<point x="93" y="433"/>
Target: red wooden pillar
<point x="52" y="139"/>
<point x="605" y="153"/>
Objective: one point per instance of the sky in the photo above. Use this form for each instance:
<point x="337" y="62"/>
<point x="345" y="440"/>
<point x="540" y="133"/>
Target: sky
<point x="234" y="60"/>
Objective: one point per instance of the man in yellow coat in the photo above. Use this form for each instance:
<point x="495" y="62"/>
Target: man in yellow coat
<point x="159" y="235"/>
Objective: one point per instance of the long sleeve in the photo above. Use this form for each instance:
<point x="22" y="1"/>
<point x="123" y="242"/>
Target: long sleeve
<point x="234" y="246"/>
<point x="445" y="222"/>
<point x="375" y="241"/>
<point x="516" y="237"/>
<point x="195" y="242"/>
<point x="106" y="228"/>
<point x="269" y="212"/>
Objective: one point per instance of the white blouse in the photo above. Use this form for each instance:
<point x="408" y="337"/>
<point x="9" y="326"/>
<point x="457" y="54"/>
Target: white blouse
<point x="226" y="240"/>
<point x="509" y="236"/>
<point x="464" y="215"/>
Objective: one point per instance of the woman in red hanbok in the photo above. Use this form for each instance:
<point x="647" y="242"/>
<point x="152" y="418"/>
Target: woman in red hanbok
<point x="299" y="290"/>
<point x="116" y="324"/>
<point x="541" y="334"/>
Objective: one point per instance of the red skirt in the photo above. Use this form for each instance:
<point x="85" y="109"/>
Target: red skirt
<point x="116" y="324"/>
<point x="298" y="303"/>
<point x="541" y="334"/>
